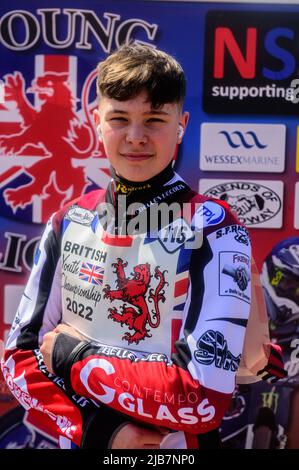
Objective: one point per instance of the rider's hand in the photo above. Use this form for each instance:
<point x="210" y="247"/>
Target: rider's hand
<point x="49" y="339"/>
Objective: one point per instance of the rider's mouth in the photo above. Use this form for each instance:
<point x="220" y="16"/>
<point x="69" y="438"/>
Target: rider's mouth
<point x="136" y="157"/>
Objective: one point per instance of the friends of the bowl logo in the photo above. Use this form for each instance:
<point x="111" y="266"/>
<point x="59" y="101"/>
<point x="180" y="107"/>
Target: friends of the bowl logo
<point x="258" y="204"/>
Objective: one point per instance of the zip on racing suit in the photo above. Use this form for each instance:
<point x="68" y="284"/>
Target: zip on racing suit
<point x="164" y="317"/>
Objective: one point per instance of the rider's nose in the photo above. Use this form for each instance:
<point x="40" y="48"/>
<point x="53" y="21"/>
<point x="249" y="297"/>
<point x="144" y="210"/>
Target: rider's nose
<point x="136" y="135"/>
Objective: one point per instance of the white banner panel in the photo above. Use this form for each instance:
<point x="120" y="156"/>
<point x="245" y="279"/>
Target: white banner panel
<point x="257" y="203"/>
<point x="242" y="147"/>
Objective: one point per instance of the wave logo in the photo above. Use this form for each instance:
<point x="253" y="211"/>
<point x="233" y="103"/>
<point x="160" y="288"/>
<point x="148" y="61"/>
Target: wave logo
<point x="248" y="143"/>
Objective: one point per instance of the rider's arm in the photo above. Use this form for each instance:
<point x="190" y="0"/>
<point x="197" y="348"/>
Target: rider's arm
<point x="260" y="358"/>
<point x="192" y="391"/>
<point x="41" y="393"/>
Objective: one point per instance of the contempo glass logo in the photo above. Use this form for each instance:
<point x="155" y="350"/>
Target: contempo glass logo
<point x="242" y="147"/>
<point x="251" y="58"/>
<point x="257" y="203"/>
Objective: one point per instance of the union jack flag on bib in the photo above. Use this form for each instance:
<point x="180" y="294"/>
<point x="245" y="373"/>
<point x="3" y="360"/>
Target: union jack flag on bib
<point x="91" y="273"/>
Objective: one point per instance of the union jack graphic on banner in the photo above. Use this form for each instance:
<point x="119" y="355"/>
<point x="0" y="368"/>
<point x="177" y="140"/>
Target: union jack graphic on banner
<point x="49" y="148"/>
<point x="91" y="273"/>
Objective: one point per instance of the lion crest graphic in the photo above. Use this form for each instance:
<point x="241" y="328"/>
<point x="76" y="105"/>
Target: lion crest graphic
<point x="55" y="133"/>
<point x="136" y="291"/>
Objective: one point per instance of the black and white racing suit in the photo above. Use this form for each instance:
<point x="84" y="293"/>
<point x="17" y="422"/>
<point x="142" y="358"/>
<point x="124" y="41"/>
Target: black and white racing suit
<point x="164" y="313"/>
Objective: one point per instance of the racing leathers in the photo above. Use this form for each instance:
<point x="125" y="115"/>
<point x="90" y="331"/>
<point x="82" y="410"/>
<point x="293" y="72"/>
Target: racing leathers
<point x="163" y="307"/>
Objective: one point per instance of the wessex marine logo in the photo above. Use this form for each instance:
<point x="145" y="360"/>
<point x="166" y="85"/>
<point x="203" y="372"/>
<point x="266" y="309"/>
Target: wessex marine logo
<point x="52" y="146"/>
<point x="242" y="147"/>
<point x="248" y="140"/>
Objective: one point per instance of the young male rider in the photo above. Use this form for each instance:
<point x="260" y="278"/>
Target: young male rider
<point x="151" y="316"/>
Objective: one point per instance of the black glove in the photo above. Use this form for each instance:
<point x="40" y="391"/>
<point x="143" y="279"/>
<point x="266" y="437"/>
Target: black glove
<point x="274" y="370"/>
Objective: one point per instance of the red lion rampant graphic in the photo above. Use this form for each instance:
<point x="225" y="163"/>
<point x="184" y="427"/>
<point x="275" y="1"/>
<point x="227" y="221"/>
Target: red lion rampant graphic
<point x="53" y="132"/>
<point x="134" y="290"/>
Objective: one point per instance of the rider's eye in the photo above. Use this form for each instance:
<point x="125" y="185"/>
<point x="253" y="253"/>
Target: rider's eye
<point x="155" y="120"/>
<point x="118" y="118"/>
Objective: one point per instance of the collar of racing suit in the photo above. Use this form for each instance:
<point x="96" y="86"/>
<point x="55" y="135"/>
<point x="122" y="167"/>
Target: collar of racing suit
<point x="167" y="186"/>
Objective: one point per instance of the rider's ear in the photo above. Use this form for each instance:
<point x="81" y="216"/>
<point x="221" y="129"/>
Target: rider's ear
<point x="99" y="131"/>
<point x="96" y="117"/>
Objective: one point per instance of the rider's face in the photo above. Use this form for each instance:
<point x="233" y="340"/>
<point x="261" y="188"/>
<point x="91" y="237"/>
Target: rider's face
<point x="139" y="141"/>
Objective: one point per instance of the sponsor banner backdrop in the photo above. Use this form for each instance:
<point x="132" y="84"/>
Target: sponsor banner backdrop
<point x="242" y="147"/>
<point x="246" y="69"/>
<point x="256" y="205"/>
<point x="239" y="60"/>
<point x="18" y="242"/>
